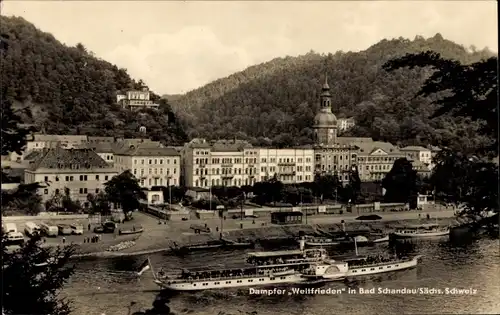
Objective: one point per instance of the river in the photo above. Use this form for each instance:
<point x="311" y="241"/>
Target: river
<point x="108" y="286"/>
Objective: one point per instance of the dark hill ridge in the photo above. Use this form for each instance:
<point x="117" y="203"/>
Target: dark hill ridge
<point x="279" y="99"/>
<point x="70" y="91"/>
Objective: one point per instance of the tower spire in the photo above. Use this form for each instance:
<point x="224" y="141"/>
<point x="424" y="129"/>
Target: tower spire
<point x="326" y="87"/>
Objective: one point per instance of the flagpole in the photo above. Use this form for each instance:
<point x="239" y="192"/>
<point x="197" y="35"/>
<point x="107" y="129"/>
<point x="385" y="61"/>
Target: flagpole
<point x="152" y="270"/>
<point x="356" y="246"/>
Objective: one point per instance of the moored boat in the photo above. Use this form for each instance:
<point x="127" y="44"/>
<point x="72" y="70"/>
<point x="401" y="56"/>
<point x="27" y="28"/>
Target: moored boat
<point x="421" y="231"/>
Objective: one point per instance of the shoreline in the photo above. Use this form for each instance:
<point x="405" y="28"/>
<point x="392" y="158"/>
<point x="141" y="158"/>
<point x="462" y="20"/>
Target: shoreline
<point x="158" y="238"/>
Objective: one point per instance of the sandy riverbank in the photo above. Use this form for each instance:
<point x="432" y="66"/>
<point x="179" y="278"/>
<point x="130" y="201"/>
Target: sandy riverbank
<point x="159" y="237"/>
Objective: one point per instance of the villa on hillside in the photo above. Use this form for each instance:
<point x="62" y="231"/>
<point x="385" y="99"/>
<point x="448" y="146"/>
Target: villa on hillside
<point x="136" y="100"/>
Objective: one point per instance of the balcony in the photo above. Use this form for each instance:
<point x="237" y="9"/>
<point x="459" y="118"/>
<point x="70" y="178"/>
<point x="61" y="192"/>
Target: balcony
<point x="227" y="176"/>
<point x="287" y="173"/>
<point x="286" y="164"/>
<point x="228" y="165"/>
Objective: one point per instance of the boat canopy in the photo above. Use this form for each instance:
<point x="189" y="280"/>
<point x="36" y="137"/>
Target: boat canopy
<point x="420" y="226"/>
<point x="276" y="253"/>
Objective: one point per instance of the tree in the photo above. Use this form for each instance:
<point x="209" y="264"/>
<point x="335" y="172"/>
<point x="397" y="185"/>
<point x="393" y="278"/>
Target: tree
<point x="326" y="186"/>
<point x="124" y="190"/>
<point x="401" y="182"/>
<point x="462" y="90"/>
<point x="99" y="203"/>
<point x="465" y="91"/>
<point x="68" y="204"/>
<point x="32" y="289"/>
<point x="13" y="135"/>
<point x="24" y="197"/>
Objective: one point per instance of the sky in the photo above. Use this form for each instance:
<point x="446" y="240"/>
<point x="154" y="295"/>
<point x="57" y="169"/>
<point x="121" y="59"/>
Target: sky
<point x="177" y="46"/>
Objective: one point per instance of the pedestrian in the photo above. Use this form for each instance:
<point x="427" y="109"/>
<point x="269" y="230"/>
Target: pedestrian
<point x="419" y="215"/>
<point x="89" y="226"/>
<point x="64" y="239"/>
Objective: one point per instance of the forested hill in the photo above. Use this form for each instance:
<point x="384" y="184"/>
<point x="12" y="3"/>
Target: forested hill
<point x="70" y="91"/>
<point x="278" y="99"/>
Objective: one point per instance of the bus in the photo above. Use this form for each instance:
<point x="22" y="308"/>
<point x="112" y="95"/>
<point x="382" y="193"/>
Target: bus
<point x="31" y="229"/>
<point x="9" y="228"/>
<point x="48" y="229"/>
<point x="77" y="229"/>
<point x="64" y="229"/>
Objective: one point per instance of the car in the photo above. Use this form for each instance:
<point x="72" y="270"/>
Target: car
<point x="106" y="227"/>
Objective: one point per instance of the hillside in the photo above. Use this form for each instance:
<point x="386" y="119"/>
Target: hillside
<point x="69" y="91"/>
<point x="278" y="99"/>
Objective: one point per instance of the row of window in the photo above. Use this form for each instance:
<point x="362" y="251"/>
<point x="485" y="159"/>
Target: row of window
<point x="247" y="160"/>
<point x="240" y="281"/>
<point x="320" y="157"/>
<point x="225" y="182"/>
<point x="332" y="167"/>
<point x="154" y="171"/>
<point x="155" y="161"/>
<point x="70" y="178"/>
<point x="379" y="159"/>
<point x="159" y="182"/>
<point x="225" y="171"/>
<point x="380" y="268"/>
<point x="81" y="191"/>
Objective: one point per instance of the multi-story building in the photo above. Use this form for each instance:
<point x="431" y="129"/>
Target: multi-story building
<point x="39" y="142"/>
<point x="237" y="163"/>
<point x="81" y="171"/>
<point x="375" y="159"/>
<point x="331" y="156"/>
<point x="152" y="166"/>
<point x="219" y="163"/>
<point x="135" y="100"/>
<point x="346" y="123"/>
<point x="419" y="153"/>
<point x="292" y="165"/>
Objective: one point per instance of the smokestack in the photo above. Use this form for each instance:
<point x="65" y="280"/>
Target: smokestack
<point x="302" y="243"/>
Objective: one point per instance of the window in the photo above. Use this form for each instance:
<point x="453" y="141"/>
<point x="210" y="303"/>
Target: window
<point x="46" y="178"/>
<point x="106" y="177"/>
<point x="97" y="177"/>
<point x="150" y="161"/>
<point x="97" y="190"/>
<point x="46" y="191"/>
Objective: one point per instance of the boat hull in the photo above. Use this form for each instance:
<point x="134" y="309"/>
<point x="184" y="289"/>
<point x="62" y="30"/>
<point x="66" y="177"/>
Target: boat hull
<point x="421" y="235"/>
<point x="382" y="239"/>
<point x="370" y="270"/>
<point x="198" y="285"/>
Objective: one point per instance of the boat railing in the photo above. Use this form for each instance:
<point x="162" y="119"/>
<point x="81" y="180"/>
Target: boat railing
<point x="222" y="278"/>
<point x="391" y="262"/>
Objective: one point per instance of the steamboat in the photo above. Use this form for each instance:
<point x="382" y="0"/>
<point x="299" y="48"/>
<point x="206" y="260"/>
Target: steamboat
<point x="421" y="231"/>
<point x="262" y="269"/>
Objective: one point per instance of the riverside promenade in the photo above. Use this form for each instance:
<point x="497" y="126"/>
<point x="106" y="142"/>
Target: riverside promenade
<point x="159" y="237"/>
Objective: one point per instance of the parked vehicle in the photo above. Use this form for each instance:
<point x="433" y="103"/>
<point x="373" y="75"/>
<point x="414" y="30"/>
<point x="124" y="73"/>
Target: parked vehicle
<point x="64" y="229"/>
<point x="9" y="227"/>
<point x="48" y="229"/>
<point x="77" y="229"/>
<point x="14" y="238"/>
<point x="31" y="229"/>
<point x="106" y="227"/>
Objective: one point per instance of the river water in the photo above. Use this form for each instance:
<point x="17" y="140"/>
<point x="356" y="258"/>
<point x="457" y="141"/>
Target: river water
<point x="108" y="286"/>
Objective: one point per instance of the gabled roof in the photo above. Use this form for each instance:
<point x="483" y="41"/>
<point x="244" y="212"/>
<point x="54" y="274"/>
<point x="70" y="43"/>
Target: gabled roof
<point x="366" y="148"/>
<point x="414" y="148"/>
<point x="59" y="158"/>
<point x="348" y="140"/>
<point x="40" y="137"/>
<point x="149" y="151"/>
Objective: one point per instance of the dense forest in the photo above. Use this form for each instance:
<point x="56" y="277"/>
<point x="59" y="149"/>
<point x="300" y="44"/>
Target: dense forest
<point x="70" y="91"/>
<point x="275" y="102"/>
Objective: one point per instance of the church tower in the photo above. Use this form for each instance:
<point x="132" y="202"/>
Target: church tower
<point x="325" y="122"/>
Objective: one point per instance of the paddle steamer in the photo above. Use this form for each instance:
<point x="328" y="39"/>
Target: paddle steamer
<point x="263" y="268"/>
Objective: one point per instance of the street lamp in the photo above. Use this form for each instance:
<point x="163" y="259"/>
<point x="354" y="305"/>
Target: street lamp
<point x="169" y="193"/>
